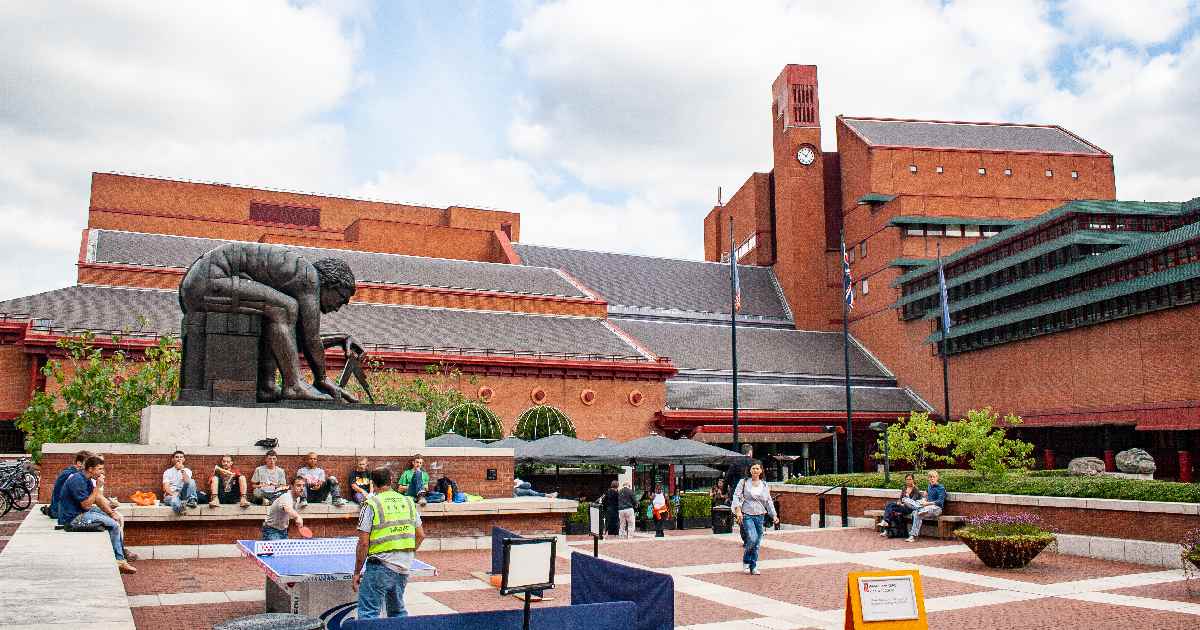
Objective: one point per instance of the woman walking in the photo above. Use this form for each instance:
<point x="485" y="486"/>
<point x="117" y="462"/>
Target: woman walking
<point x="751" y="505"/>
<point x="659" y="507"/>
<point x="910" y="495"/>
<point x="610" y="500"/>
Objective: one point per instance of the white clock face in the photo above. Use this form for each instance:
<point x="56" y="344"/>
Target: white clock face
<point x="806" y="155"/>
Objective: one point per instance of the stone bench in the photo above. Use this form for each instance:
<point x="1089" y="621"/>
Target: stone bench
<point x="946" y="523"/>
<point x="224" y="524"/>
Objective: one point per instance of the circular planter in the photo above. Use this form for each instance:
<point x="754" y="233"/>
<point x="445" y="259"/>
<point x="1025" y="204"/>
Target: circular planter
<point x="1006" y="552"/>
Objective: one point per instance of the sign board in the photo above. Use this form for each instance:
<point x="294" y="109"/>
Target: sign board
<point x="528" y="565"/>
<point x="885" y="600"/>
<point x="594" y="520"/>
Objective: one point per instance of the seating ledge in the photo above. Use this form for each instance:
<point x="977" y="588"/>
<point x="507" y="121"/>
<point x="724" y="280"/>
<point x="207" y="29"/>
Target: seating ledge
<point x="516" y="505"/>
<point x="948" y="518"/>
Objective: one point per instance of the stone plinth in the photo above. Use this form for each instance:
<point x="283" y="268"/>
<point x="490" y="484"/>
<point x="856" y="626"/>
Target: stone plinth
<point x="343" y="426"/>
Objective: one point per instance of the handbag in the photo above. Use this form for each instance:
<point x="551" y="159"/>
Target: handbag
<point x="76" y="526"/>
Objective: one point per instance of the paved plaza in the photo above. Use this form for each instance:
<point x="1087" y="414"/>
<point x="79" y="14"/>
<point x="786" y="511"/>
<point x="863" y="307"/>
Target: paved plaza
<point x="802" y="585"/>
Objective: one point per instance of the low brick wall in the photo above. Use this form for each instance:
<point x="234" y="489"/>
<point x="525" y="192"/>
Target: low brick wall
<point x="1134" y="520"/>
<point x="133" y="467"/>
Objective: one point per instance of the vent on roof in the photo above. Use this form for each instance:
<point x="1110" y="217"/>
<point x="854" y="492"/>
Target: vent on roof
<point x="289" y="215"/>
<point x="804" y="104"/>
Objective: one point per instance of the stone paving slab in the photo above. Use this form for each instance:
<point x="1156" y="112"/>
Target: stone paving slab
<point x="1179" y="591"/>
<point x="673" y="553"/>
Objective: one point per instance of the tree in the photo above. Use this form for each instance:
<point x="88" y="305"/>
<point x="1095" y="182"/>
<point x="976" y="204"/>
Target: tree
<point x="100" y="399"/>
<point x="434" y="393"/>
<point x="916" y="440"/>
<point x="981" y="437"/>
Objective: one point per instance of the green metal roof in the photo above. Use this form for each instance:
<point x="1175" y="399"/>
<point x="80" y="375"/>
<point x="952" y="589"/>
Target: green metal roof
<point x="875" y="198"/>
<point x="1080" y="237"/>
<point x="1146" y="245"/>
<point x="911" y="262"/>
<point x="920" y="219"/>
<point x="1153" y="208"/>
<point x="1099" y="294"/>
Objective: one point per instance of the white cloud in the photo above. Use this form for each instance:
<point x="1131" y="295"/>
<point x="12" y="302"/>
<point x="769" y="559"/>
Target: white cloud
<point x="223" y="91"/>
<point x="1143" y="23"/>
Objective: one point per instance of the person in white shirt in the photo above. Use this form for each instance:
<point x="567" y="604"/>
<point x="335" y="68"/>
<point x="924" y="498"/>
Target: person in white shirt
<point x="178" y="486"/>
<point x="751" y="505"/>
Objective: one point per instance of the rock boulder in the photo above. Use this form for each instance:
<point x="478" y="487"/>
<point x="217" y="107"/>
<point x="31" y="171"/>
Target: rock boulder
<point x="1086" y="466"/>
<point x="1136" y="461"/>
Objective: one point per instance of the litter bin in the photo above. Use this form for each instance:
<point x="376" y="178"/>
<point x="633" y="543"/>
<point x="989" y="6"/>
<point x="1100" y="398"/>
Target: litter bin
<point x="722" y="519"/>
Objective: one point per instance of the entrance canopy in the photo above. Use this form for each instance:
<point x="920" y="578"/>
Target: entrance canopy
<point x="723" y="433"/>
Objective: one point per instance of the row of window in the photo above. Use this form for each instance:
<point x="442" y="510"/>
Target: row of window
<point x="1178" y="294"/>
<point x="746" y="247"/>
<point x="1057" y="229"/>
<point x="966" y="230"/>
<point x="912" y="168"/>
<point x="862" y="251"/>
<point x="1183" y="254"/>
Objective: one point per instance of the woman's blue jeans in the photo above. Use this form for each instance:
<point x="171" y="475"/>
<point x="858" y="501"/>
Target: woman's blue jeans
<point x="752" y="527"/>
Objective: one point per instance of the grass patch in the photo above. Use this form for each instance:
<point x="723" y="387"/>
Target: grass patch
<point x="1039" y="483"/>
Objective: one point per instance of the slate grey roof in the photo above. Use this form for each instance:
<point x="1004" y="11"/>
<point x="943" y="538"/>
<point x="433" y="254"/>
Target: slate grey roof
<point x="954" y="135"/>
<point x="709" y="395"/>
<point x="158" y="250"/>
<point x="662" y="283"/>
<point x="104" y="309"/>
<point x="777" y="350"/>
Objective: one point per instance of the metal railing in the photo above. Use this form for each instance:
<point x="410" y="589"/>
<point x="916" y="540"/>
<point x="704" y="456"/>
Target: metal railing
<point x="844" y="505"/>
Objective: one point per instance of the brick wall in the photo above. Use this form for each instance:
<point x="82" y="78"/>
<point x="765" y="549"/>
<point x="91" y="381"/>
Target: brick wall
<point x="750" y="208"/>
<point x="212" y="532"/>
<point x="127" y="473"/>
<point x="14" y="379"/>
<point x="797" y="508"/>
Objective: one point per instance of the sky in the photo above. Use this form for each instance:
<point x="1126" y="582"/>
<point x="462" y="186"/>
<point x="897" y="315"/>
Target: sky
<point x="607" y="125"/>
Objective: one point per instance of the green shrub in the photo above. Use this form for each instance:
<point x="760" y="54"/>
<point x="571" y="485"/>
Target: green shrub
<point x="695" y="505"/>
<point x="1022" y="484"/>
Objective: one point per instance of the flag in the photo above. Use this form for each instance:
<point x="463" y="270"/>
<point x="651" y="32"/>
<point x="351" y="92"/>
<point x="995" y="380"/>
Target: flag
<point x="847" y="281"/>
<point x="737" y="285"/>
<point x="945" y="298"/>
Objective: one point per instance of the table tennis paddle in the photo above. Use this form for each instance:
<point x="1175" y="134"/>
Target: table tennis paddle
<point x="305" y="532"/>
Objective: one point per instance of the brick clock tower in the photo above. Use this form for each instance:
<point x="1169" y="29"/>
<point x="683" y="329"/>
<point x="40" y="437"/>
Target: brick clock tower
<point x="800" y="200"/>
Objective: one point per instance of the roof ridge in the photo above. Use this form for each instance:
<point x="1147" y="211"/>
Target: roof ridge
<point x="955" y="122"/>
<point x="596" y="251"/>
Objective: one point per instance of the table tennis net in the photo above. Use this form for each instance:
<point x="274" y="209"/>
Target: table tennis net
<point x="305" y="546"/>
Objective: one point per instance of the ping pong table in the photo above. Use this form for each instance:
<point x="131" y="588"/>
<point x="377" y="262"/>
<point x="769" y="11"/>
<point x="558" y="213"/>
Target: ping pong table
<point x="312" y="576"/>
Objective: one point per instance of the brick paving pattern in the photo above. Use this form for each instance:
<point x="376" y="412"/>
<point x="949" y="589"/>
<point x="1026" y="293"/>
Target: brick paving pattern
<point x="192" y="616"/>
<point x="1180" y="591"/>
<point x="1047" y="568"/>
<point x="854" y="541"/>
<point x="658" y="554"/>
<point x="202" y="575"/>
<point x="1059" y="613"/>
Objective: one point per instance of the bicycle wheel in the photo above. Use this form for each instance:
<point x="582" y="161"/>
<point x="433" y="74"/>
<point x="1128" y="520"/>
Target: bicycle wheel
<point x="5" y="503"/>
<point x="21" y="497"/>
<point x="31" y="481"/>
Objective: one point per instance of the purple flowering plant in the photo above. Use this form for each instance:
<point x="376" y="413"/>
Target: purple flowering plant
<point x="1007" y="541"/>
<point x="1003" y="524"/>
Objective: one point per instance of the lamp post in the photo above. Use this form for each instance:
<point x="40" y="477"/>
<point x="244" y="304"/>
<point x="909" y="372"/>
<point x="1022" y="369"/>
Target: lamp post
<point x="881" y="427"/>
<point x="829" y="428"/>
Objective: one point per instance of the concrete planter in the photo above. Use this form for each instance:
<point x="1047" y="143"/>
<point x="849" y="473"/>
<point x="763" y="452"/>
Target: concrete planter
<point x="1005" y="552"/>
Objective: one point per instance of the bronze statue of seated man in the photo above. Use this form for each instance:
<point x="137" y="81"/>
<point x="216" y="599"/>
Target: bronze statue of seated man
<point x="290" y="294"/>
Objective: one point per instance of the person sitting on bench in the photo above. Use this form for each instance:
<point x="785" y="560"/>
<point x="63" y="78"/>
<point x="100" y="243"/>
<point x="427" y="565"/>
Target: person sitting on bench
<point x="178" y="485"/>
<point x="227" y="485"/>
<point x="80" y="507"/>
<point x="66" y="473"/>
<point x="930" y="507"/>
<point x="910" y="498"/>
<point x="269" y="480"/>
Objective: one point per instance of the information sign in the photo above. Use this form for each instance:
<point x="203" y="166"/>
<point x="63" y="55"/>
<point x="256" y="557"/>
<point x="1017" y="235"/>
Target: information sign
<point x="885" y="600"/>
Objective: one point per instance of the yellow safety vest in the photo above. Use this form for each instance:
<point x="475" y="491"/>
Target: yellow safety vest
<point x="393" y="523"/>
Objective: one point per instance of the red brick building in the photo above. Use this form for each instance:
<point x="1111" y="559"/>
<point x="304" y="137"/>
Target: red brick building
<point x="1069" y="308"/>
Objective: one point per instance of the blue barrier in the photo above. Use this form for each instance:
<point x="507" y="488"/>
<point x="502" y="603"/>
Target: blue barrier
<point x="606" y="616"/>
<point x="595" y="581"/>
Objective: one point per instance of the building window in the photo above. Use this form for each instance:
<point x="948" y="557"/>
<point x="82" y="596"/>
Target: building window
<point x="915" y="230"/>
<point x="1074" y="174"/>
<point x="862" y="249"/>
<point x="982" y="171"/>
<point x="939" y="170"/>
<point x="971" y="231"/>
<point x="850" y="254"/>
<point x="1049" y="173"/>
<point x="954" y="230"/>
<point x="866" y="287"/>
<point x="912" y="168"/>
<point x="989" y="230"/>
<point x="1008" y="172"/>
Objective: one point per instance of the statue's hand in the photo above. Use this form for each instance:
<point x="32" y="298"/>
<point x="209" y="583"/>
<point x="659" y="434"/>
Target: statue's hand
<point x="339" y="394"/>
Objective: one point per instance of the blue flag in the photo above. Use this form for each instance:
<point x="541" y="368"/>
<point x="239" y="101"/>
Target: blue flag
<point x="847" y="281"/>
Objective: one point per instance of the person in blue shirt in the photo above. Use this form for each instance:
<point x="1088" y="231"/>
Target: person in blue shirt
<point x="931" y="506"/>
<point x="80" y="504"/>
<point x="61" y="479"/>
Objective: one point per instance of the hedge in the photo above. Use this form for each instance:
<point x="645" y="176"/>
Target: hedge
<point x="1035" y="484"/>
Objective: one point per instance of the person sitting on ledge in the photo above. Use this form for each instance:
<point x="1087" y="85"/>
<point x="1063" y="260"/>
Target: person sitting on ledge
<point x="62" y="477"/>
<point x="930" y="507"/>
<point x="415" y="480"/>
<point x="910" y="499"/>
<point x="360" y="481"/>
<point x="525" y="489"/>
<point x="269" y="480"/>
<point x="80" y="505"/>
<point x="283" y="510"/>
<point x="227" y="485"/>
<point x="318" y="485"/>
<point x="178" y="486"/>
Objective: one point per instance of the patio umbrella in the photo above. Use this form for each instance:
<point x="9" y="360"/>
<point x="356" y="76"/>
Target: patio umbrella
<point x="454" y="440"/>
<point x="554" y="449"/>
<point x="605" y="451"/>
<point x="511" y="441"/>
<point x="657" y="449"/>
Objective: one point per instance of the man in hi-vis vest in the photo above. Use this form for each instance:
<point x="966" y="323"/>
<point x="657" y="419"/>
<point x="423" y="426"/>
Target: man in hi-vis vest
<point x="390" y="532"/>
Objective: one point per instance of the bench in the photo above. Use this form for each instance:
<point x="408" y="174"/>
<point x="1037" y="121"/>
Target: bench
<point x="946" y="523"/>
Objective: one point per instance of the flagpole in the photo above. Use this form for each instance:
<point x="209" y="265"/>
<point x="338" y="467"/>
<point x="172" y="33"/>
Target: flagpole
<point x="737" y="446"/>
<point x="943" y="294"/>
<point x="846" y="363"/>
